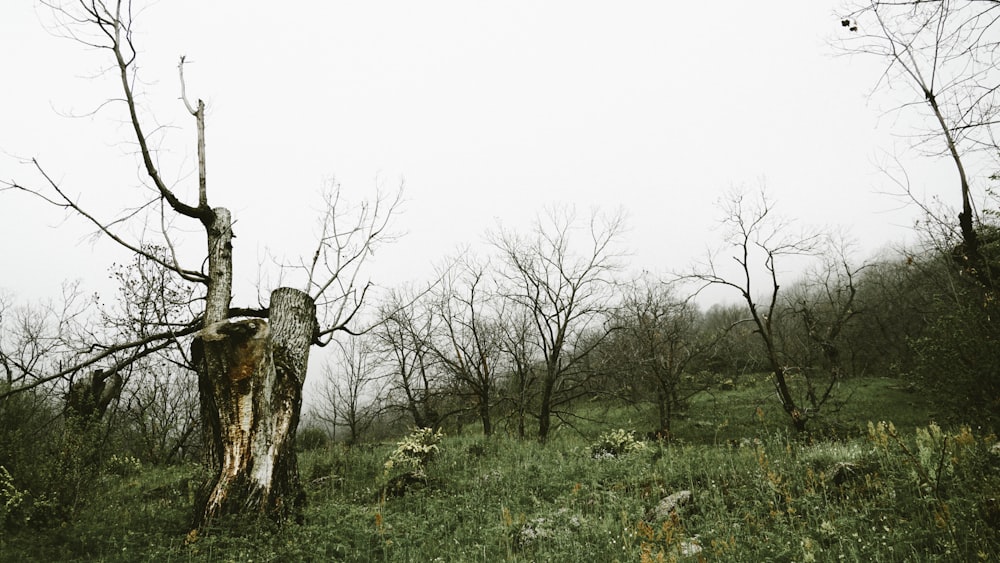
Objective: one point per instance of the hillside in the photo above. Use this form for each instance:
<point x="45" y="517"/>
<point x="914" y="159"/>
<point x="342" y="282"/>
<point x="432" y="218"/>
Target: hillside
<point x="745" y="490"/>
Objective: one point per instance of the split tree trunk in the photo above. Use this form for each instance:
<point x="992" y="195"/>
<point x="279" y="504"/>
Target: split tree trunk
<point x="251" y="374"/>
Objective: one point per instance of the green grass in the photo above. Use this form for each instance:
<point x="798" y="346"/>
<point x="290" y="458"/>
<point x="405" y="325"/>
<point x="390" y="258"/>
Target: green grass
<point x="759" y="494"/>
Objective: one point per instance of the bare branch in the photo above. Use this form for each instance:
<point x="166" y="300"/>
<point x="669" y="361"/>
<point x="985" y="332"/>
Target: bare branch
<point x="65" y="202"/>
<point x="199" y="115"/>
<point x="333" y="274"/>
<point x="946" y="52"/>
<point x="137" y="348"/>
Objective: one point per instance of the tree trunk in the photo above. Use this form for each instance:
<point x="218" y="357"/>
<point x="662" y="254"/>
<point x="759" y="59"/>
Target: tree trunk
<point x="522" y="402"/>
<point x="969" y="255"/>
<point x="662" y="408"/>
<point x="787" y="401"/>
<point x="251" y="374"/>
<point x="484" y="414"/>
<point x="411" y="404"/>
<point x="545" y="410"/>
<point x="778" y="373"/>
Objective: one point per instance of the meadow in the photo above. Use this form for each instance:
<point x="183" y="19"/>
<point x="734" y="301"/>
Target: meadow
<point x="887" y="476"/>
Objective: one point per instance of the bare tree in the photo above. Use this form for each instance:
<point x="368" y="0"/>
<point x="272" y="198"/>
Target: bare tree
<point x="469" y="343"/>
<point x="522" y="357"/>
<point x="565" y="292"/>
<point x="943" y="56"/>
<point x="250" y="371"/>
<point x="158" y="413"/>
<point x="352" y="388"/>
<point x="33" y="339"/>
<point x="158" y="417"/>
<point x="758" y="241"/>
<point x="657" y="336"/>
<point x="55" y="436"/>
<point x="824" y="307"/>
<point x="405" y="339"/>
<point x="42" y="338"/>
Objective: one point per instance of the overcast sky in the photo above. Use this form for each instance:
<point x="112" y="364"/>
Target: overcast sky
<point x="487" y="111"/>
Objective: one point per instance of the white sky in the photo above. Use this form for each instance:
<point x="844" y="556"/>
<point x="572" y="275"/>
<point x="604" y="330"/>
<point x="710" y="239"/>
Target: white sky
<point x="489" y="111"/>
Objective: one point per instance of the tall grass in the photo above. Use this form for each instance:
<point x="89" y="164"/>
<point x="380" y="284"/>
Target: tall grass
<point x="906" y="492"/>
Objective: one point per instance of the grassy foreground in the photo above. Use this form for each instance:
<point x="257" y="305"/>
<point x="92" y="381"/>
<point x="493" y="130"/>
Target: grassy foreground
<point x="911" y="491"/>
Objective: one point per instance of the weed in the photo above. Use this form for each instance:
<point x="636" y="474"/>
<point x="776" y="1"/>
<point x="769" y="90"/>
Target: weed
<point x="616" y="443"/>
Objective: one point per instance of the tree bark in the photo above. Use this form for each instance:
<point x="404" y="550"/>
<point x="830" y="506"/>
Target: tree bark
<point x="219" y="231"/>
<point x="251" y="375"/>
<point x="545" y="409"/>
<point x="662" y="408"/>
<point x="484" y="413"/>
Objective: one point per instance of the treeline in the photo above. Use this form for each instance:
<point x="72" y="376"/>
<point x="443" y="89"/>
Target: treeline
<point x="517" y="339"/>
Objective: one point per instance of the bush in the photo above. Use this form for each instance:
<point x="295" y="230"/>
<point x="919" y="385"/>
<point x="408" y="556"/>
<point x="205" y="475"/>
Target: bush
<point x="616" y="443"/>
<point x="11" y="499"/>
<point x="123" y="465"/>
<point x="18" y="507"/>
<point x="413" y="453"/>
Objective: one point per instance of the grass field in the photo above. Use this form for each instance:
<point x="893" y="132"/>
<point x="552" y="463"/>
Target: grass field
<point x="851" y="491"/>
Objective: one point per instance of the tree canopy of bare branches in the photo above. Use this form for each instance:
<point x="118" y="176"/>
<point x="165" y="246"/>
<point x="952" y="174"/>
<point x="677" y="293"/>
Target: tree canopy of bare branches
<point x="562" y="275"/>
<point x="942" y="57"/>
<point x="759" y="241"/>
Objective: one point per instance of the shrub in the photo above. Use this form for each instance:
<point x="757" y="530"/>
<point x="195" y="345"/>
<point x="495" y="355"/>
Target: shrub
<point x="123" y="465"/>
<point x="11" y="498"/>
<point x="18" y="506"/>
<point x="616" y="443"/>
<point x="413" y="452"/>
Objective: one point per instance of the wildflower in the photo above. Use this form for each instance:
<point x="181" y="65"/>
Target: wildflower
<point x="808" y="556"/>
